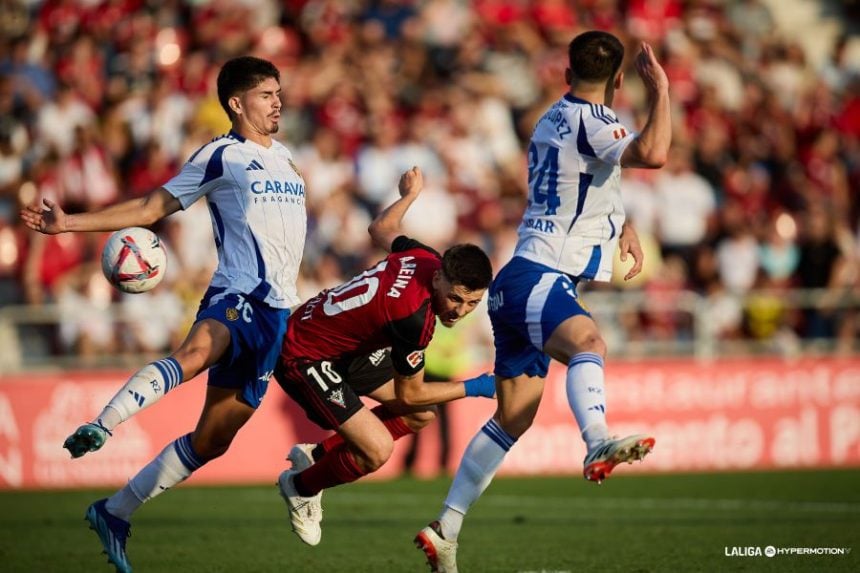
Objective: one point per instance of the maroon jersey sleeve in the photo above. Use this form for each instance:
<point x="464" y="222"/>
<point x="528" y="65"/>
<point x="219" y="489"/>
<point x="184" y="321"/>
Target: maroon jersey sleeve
<point x="409" y="337"/>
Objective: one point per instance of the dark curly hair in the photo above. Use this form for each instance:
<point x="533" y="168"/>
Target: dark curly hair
<point x="467" y="265"/>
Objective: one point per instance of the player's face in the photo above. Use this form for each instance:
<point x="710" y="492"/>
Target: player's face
<point x="453" y="302"/>
<point x="261" y="107"/>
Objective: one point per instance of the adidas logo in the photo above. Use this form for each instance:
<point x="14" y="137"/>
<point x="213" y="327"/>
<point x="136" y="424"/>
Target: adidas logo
<point x="137" y="398"/>
<point x="254" y="166"/>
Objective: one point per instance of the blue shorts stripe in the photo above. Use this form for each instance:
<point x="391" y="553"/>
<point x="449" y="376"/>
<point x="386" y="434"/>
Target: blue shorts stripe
<point x="535" y="305"/>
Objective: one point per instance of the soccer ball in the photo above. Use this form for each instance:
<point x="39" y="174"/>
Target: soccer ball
<point x="133" y="260"/>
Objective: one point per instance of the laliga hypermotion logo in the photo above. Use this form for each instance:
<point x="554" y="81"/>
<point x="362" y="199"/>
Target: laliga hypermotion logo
<point x="147" y="271"/>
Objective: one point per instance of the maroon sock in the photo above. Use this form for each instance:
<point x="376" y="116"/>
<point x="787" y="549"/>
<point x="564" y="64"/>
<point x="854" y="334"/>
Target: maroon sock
<point x="335" y="468"/>
<point x="395" y="424"/>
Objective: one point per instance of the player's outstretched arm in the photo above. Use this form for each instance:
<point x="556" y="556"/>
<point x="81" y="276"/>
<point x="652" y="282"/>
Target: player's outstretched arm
<point x="49" y="218"/>
<point x="412" y="391"/>
<point x="386" y="227"/>
<point x="651" y="147"/>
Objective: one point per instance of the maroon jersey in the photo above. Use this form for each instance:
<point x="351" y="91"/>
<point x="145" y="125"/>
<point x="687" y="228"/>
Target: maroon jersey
<point x="386" y="305"/>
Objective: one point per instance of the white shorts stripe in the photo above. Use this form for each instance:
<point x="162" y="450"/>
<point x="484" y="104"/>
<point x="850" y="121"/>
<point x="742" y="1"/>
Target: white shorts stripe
<point x="534" y="307"/>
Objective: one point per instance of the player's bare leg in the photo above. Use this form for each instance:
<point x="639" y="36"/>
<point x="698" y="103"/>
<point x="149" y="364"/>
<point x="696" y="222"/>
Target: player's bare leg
<point x="518" y="402"/>
<point x="367" y="445"/>
<point x="577" y="343"/>
<point x="400" y="419"/>
<point x="204" y="345"/>
<point x="223" y="415"/>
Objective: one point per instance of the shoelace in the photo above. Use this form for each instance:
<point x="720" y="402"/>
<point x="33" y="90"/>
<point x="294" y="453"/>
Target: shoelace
<point x="99" y="424"/>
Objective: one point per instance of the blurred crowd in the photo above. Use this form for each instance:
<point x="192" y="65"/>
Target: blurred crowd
<point x="102" y="100"/>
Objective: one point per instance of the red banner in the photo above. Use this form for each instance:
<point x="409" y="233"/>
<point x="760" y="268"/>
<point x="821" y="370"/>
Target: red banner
<point x="725" y="415"/>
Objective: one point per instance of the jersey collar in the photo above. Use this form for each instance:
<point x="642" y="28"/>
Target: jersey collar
<point x="574" y="99"/>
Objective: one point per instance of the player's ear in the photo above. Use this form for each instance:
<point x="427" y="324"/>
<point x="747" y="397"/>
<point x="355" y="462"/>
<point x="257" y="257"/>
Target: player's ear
<point x="568" y="76"/>
<point x="619" y="80"/>
<point x="235" y="104"/>
<point x="437" y="279"/>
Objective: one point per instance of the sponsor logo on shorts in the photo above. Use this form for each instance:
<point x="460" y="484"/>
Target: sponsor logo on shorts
<point x="377" y="357"/>
<point x="415" y="358"/>
<point x="232" y="314"/>
<point x="336" y="397"/>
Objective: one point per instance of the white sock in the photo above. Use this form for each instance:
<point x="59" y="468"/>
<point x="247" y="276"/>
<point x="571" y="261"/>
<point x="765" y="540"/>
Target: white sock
<point x="143" y="389"/>
<point x="480" y="461"/>
<point x="173" y="465"/>
<point x="585" y="394"/>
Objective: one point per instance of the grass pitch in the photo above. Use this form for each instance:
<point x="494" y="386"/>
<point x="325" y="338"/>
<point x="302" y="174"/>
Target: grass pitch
<point x="631" y="524"/>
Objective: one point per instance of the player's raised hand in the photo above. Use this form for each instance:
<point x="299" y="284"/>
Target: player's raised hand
<point x="411" y="182"/>
<point x="629" y="244"/>
<point x="46" y="217"/>
<point x="650" y="70"/>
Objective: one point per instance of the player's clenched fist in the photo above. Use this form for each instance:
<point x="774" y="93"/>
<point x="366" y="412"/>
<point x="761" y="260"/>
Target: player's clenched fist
<point x="411" y="182"/>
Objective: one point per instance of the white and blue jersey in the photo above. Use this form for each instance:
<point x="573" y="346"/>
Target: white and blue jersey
<point x="569" y="231"/>
<point x="574" y="213"/>
<point x="256" y="200"/>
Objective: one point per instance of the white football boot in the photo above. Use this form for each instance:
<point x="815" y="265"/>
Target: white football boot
<point x="305" y="512"/>
<point x="301" y="456"/>
<point x="441" y="553"/>
<point x="601" y="460"/>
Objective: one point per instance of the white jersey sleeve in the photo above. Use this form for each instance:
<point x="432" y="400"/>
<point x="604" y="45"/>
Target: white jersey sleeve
<point x="200" y="173"/>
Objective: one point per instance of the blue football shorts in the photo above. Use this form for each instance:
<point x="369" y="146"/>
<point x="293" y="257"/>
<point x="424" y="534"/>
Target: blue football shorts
<point x="527" y="302"/>
<point x="256" y="334"/>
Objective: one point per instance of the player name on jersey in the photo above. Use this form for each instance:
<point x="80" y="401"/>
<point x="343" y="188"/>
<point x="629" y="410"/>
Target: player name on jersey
<point x="404" y="275"/>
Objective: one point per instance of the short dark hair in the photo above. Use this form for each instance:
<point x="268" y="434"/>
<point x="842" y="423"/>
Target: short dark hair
<point x="242" y="74"/>
<point x="467" y="265"/>
<point x="595" y="56"/>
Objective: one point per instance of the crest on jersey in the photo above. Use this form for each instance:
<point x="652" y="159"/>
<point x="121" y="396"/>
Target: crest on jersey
<point x="232" y="314"/>
<point x="619" y="133"/>
<point x="415" y="358"/>
<point x="336" y="397"/>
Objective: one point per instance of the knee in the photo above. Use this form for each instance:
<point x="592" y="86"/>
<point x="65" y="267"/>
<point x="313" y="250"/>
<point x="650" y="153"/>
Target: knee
<point x="421" y="419"/>
<point x="373" y="454"/>
<point x="591" y="342"/>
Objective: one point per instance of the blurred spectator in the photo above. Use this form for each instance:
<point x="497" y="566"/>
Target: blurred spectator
<point x="686" y="205"/>
<point x="737" y="251"/>
<point x="58" y="119"/>
<point x="820" y="265"/>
